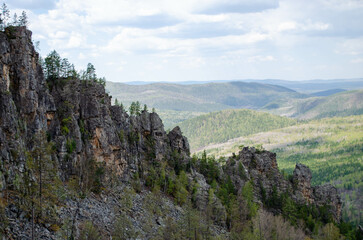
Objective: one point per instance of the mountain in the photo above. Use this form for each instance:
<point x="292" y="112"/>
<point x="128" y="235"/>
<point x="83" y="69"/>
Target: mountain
<point x="316" y="85"/>
<point x="341" y="104"/>
<point x="218" y="127"/>
<point x="201" y="97"/>
<point x="327" y="92"/>
<point x="304" y="86"/>
<point x="75" y="167"/>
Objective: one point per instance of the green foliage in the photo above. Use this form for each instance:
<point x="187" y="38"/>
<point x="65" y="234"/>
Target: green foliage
<point x="133" y="137"/>
<point x="135" y="108"/>
<point x="22" y="20"/>
<point x="209" y="167"/>
<point x="89" y="232"/>
<point x="123" y="228"/>
<point x="259" y="148"/>
<point x="70" y="145"/>
<point x="135" y="183"/>
<point x="121" y="136"/>
<point x="65" y="124"/>
<point x="247" y="193"/>
<point x="59" y="70"/>
<point x="40" y="186"/>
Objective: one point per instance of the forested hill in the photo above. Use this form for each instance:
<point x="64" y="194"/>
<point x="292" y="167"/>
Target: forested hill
<point x="341" y="104"/>
<point x="202" y="97"/>
<point x="221" y="126"/>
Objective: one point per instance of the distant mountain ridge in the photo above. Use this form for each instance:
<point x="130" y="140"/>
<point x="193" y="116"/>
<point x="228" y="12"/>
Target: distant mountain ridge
<point x="202" y="97"/>
<point x="306" y="86"/>
<point x="340" y="104"/>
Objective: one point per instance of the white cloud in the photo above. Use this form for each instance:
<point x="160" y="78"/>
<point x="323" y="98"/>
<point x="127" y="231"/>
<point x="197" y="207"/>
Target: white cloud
<point x="357" y="60"/>
<point x="197" y="34"/>
<point x="351" y="47"/>
<point x="260" y="59"/>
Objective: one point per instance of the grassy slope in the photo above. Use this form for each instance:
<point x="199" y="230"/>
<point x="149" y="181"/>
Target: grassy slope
<point x="221" y="126"/>
<point x="332" y="148"/>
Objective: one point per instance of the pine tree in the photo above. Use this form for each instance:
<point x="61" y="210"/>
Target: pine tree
<point x="132" y="108"/>
<point x="15" y="20"/>
<point x="23" y="19"/>
<point x="52" y="64"/>
<point x="137" y="108"/>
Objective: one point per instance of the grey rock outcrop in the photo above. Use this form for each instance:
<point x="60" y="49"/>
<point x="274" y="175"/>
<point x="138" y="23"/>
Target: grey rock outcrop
<point x="261" y="168"/>
<point x="302" y="182"/>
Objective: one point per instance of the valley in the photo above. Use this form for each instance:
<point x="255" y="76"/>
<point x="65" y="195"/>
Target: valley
<point x="321" y="128"/>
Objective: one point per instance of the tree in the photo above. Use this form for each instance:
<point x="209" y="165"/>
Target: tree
<point x="91" y="72"/>
<point x="89" y="232"/>
<point x="123" y="228"/>
<point x="145" y="108"/>
<point x="102" y="81"/>
<point x="132" y="108"/>
<point x="52" y="64"/>
<point x="329" y="231"/>
<point x="15" y="20"/>
<point x="23" y="19"/>
<point x="4" y="16"/>
<point x="116" y="102"/>
<point x="137" y="108"/>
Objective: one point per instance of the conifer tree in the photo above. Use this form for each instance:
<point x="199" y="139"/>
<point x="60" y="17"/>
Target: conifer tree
<point x="4" y="16"/>
<point x="23" y="19"/>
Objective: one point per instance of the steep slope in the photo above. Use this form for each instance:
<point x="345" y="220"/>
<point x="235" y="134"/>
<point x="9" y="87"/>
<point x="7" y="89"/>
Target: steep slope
<point x="75" y="167"/>
<point x="201" y="97"/>
<point x="219" y="127"/>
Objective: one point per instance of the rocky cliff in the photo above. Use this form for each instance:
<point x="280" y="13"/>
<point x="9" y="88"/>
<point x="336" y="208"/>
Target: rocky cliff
<point x="98" y="153"/>
<point x="260" y="167"/>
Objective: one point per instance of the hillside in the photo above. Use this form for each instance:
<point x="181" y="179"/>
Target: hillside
<point x="340" y="104"/>
<point x="218" y="127"/>
<point x="317" y="85"/>
<point x="331" y="147"/>
<point x="201" y="97"/>
<point x="75" y="167"/>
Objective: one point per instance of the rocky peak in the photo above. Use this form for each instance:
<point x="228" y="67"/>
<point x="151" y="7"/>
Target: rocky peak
<point x="260" y="167"/>
<point x="178" y="142"/>
<point x="302" y="181"/>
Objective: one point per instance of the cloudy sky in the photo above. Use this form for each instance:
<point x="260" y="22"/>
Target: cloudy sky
<point x="173" y="40"/>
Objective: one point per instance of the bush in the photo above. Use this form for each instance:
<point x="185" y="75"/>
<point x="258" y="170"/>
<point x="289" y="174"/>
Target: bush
<point x="89" y="232"/>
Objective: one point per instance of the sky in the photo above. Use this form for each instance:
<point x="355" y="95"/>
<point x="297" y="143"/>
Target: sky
<point x="202" y="40"/>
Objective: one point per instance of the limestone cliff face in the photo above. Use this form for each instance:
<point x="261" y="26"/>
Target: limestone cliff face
<point x="76" y="115"/>
<point x="24" y="100"/>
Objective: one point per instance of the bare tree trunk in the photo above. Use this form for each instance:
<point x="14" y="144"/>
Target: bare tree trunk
<point x="32" y="218"/>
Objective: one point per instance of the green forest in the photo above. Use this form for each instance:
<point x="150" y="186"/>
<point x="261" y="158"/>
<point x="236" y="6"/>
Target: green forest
<point x="219" y="127"/>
